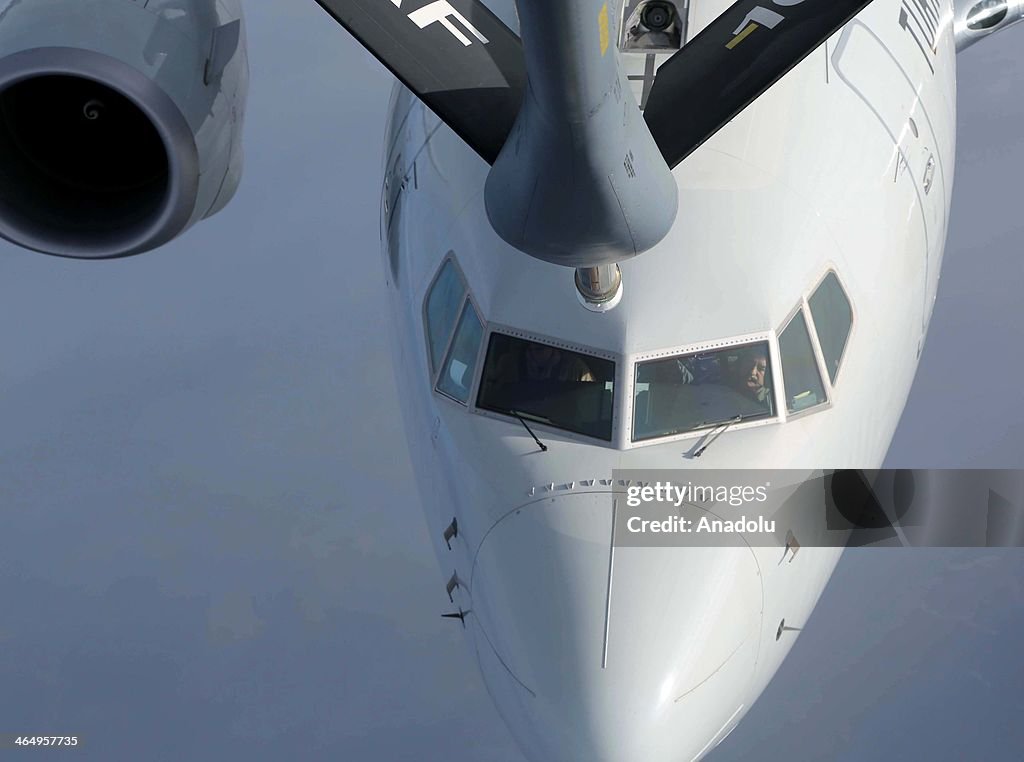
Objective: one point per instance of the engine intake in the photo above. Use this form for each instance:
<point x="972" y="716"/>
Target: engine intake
<point x="95" y="159"/>
<point x="112" y="144"/>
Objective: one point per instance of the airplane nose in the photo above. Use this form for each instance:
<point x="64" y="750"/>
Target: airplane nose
<point x="594" y="652"/>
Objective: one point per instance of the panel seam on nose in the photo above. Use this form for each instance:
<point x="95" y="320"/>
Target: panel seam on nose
<point x="608" y="593"/>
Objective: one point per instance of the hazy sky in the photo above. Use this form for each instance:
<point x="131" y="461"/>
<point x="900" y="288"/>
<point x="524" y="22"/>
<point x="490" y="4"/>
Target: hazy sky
<point x="211" y="545"/>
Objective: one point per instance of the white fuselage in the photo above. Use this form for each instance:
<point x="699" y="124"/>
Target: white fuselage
<point x="845" y="165"/>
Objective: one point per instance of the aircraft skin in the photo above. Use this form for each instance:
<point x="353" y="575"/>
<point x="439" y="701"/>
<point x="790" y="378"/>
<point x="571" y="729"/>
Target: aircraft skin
<point x="843" y="169"/>
<point x="845" y="165"/>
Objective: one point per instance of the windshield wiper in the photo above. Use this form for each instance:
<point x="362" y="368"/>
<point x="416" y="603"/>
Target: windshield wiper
<point x="724" y="428"/>
<point x="543" y="447"/>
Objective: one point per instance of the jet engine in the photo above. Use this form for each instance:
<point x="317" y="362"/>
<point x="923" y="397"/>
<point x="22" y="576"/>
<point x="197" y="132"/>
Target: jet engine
<point x="120" y="121"/>
<point x="974" y="20"/>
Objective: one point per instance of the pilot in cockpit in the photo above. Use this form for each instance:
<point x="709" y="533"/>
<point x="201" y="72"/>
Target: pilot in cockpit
<point x="753" y="375"/>
<point x="747" y="372"/>
<point x="542" y="362"/>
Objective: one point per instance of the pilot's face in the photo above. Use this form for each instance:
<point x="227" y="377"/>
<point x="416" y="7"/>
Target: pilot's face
<point x="542" y="354"/>
<point x="755" y="379"/>
<point x="541" y="361"/>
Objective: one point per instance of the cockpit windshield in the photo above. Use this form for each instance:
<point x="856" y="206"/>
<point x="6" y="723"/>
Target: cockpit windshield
<point x="700" y="390"/>
<point x="539" y="382"/>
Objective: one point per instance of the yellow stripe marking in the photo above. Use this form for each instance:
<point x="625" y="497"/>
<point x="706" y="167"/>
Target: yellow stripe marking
<point x="602" y="25"/>
<point x="742" y="36"/>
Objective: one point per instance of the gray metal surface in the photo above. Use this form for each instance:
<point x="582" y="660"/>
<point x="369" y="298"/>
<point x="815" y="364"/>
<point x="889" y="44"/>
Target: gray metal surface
<point x="580" y="181"/>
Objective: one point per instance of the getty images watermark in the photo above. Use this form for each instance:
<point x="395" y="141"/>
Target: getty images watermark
<point x="789" y="508"/>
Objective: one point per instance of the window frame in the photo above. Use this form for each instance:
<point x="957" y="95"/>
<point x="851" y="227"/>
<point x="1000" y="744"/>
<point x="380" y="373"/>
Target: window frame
<point x="434" y="374"/>
<point x="624" y="391"/>
<point x="450" y="345"/>
<point x="804" y="308"/>
<point x="538" y="338"/>
<point x="806" y="299"/>
<point x="626" y="441"/>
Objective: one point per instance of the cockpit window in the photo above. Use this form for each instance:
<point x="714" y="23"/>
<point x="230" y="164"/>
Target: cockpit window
<point x="539" y="382"/>
<point x="833" y="317"/>
<point x="444" y="302"/>
<point x="457" y="373"/>
<point x="800" y="373"/>
<point x="700" y="390"/>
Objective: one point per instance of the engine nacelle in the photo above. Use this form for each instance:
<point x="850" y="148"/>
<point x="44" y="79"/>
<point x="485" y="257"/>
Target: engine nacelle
<point x="975" y="20"/>
<point x="120" y="121"/>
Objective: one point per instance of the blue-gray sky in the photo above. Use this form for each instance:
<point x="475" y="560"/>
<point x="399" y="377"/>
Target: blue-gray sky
<point x="212" y="546"/>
